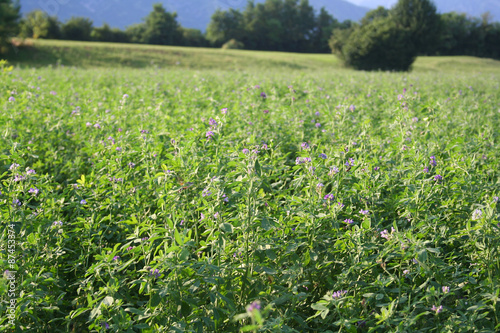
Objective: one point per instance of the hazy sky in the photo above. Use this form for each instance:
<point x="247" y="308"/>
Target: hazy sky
<point x="374" y="3"/>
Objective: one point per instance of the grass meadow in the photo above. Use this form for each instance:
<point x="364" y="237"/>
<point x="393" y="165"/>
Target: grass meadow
<point x="192" y="190"/>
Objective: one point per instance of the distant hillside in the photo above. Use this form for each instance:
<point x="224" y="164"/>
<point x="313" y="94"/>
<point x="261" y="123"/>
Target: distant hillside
<point x="191" y="13"/>
<point x="470" y="7"/>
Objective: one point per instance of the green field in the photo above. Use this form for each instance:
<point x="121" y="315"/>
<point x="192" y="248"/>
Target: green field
<point x="246" y="191"/>
<point x="39" y="53"/>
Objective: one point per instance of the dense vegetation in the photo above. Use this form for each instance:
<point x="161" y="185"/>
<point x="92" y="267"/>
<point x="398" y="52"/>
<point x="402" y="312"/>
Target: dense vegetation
<point x="177" y="200"/>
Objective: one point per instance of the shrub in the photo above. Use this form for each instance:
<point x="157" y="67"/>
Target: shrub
<point x="233" y="44"/>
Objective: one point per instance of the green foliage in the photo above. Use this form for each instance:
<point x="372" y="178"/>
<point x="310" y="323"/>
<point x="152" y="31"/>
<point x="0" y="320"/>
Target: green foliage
<point x="184" y="200"/>
<point x="469" y="36"/>
<point x="77" y="28"/>
<point x="106" y="34"/>
<point x="193" y="37"/>
<point x="389" y="39"/>
<point x="278" y="25"/>
<point x="379" y="45"/>
<point x="224" y="26"/>
<point x="420" y="18"/>
<point x="9" y="16"/>
<point x="233" y="44"/>
<point x="37" y="24"/>
<point x="161" y="27"/>
<point x="137" y="202"/>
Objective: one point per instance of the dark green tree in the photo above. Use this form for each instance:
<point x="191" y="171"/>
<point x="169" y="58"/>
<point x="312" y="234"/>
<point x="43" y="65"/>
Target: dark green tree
<point x="325" y="24"/>
<point x="9" y="22"/>
<point x="379" y="45"/>
<point x="419" y="17"/>
<point x="106" y="34"/>
<point x="77" y="28"/>
<point x="161" y="27"/>
<point x="193" y="37"/>
<point x="225" y="25"/>
<point x="135" y="33"/>
<point x="37" y="24"/>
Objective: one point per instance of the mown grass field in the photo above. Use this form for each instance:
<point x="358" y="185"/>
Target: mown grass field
<point x="247" y="191"/>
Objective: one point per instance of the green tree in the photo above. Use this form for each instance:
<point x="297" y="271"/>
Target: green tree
<point x="77" y="28"/>
<point x="135" y="33"/>
<point x="379" y="45"/>
<point x="225" y="25"/>
<point x="9" y="22"/>
<point x="419" y="17"/>
<point x="37" y="24"/>
<point x="193" y="37"/>
<point x="325" y="24"/>
<point x="161" y="27"/>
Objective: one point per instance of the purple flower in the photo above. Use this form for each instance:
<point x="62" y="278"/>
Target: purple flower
<point x="302" y="160"/>
<point x="131" y="165"/>
<point x="426" y="169"/>
<point x="255" y="305"/>
<point x="376" y="168"/>
<point x="212" y="122"/>
<point x="155" y="273"/>
<point x="445" y="289"/>
<point x="385" y="234"/>
<point x="216" y="215"/>
<point x="105" y="325"/>
<point x="341" y="205"/>
<point x="352" y="108"/>
<point x="206" y="193"/>
<point x="225" y="198"/>
<point x="329" y="197"/>
<point x="264" y="146"/>
<point x="339" y="294"/>
<point x="245" y="151"/>
<point x="433" y="161"/>
<point x="304" y="145"/>
<point x="125" y="95"/>
<point x="438" y="177"/>
<point x="400" y="97"/>
<point x="118" y="149"/>
<point x="263" y="95"/>
<point x="333" y="170"/>
<point x="12" y="99"/>
<point x="266" y="111"/>
<point x="83" y="202"/>
<point x="364" y="212"/>
<point x="318" y="125"/>
<point x="317" y="113"/>
<point x="348" y="221"/>
<point x="224" y="111"/>
<point x="16" y="202"/>
<point x="495" y="199"/>
<point x="202" y="216"/>
<point x="438" y="309"/>
<point x="320" y="185"/>
<point x="323" y="156"/>
<point x="14" y="166"/>
<point x="18" y="178"/>
<point x="476" y="214"/>
<point x="53" y="93"/>
<point x="116" y="258"/>
<point x="209" y="135"/>
<point x="34" y="191"/>
<point x="130" y="248"/>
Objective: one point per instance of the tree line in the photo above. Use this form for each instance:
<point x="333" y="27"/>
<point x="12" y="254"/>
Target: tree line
<point x="383" y="39"/>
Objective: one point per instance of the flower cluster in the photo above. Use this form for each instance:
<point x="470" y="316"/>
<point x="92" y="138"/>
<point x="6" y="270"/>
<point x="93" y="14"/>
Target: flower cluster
<point x="339" y="294"/>
<point x="302" y="160"/>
